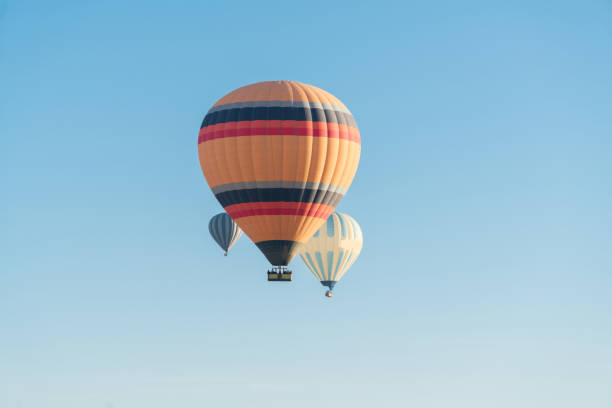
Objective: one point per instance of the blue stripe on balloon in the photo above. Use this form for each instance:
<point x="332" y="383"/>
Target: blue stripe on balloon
<point x="320" y="262"/>
<point x="355" y="228"/>
<point x="330" y="261"/>
<point x="340" y="258"/>
<point x="330" y="226"/>
<point x="228" y="227"/>
<point x="342" y="225"/>
<point x="224" y="230"/>
<point x="314" y="268"/>
<point x="348" y="260"/>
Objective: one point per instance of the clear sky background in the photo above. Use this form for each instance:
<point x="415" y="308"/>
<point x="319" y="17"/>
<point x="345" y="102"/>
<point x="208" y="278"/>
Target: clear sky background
<point x="484" y="193"/>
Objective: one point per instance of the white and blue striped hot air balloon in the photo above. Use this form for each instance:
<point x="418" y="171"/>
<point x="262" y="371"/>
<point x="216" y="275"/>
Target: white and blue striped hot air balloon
<point x="333" y="249"/>
<point x="224" y="231"/>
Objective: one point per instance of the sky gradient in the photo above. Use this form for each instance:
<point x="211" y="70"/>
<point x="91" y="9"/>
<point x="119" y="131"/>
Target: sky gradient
<point x="484" y="194"/>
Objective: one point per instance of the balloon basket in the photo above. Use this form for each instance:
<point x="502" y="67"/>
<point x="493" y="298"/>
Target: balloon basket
<point x="279" y="274"/>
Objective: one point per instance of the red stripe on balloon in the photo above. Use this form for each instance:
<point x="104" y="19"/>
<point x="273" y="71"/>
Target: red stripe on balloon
<point x="278" y="127"/>
<point x="279" y="208"/>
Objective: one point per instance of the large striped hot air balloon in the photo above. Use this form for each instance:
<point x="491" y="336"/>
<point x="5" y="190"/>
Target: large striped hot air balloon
<point x="279" y="156"/>
<point x="333" y="249"/>
<point x="224" y="231"/>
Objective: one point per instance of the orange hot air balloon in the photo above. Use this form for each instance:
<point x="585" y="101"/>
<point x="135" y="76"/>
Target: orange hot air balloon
<point x="279" y="156"/>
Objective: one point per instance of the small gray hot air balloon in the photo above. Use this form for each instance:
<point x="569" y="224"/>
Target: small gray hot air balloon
<point x="224" y="231"/>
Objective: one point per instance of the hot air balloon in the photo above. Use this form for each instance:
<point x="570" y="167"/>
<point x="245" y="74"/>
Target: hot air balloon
<point x="279" y="156"/>
<point x="224" y="231"/>
<point x="333" y="249"/>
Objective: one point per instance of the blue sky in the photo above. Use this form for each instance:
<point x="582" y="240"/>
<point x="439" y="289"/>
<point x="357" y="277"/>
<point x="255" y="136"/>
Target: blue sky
<point x="484" y="194"/>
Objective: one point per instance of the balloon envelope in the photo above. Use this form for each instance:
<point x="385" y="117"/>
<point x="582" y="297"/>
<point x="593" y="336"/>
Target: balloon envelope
<point x="279" y="156"/>
<point x="224" y="231"/>
<point x="333" y="249"/>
